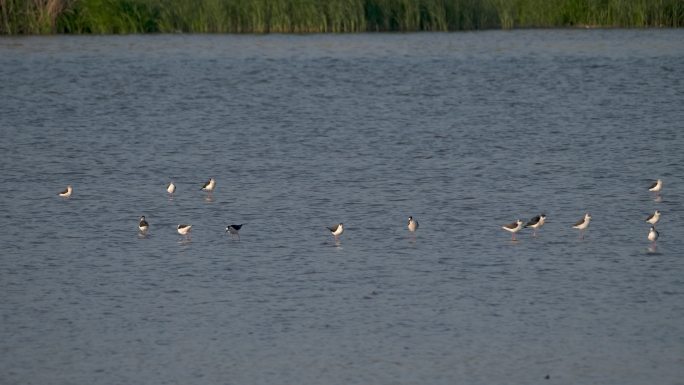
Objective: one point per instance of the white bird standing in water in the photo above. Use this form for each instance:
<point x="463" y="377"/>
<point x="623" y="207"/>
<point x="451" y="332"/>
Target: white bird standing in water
<point x="582" y="224"/>
<point x="654" y="218"/>
<point x="653" y="235"/>
<point x="536" y="223"/>
<point x="171" y="188"/>
<point x="412" y="224"/>
<point x="184" y="229"/>
<point x="513" y="228"/>
<point x="66" y="193"/>
<point x="209" y="185"/>
<point x="656" y="186"/>
<point x="336" y="230"/>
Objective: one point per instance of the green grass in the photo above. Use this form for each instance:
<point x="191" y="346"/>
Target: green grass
<point x="318" y="16"/>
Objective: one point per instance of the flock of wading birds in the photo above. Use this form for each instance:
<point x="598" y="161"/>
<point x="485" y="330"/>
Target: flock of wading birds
<point x="336" y="230"/>
<point x="538" y="221"/>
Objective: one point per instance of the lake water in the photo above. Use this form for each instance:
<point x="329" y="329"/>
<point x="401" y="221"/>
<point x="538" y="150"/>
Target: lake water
<point x="464" y="131"/>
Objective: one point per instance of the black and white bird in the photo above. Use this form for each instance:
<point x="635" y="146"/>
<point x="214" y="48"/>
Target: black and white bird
<point x="209" y="185"/>
<point x="513" y="228"/>
<point x="184" y="229"/>
<point x="653" y="218"/>
<point x="336" y="230"/>
<point x="66" y="193"/>
<point x="171" y="188"/>
<point x="143" y="225"/>
<point x="412" y="224"/>
<point x="656" y="186"/>
<point x="234" y="230"/>
<point x="536" y="223"/>
<point x="653" y="234"/>
<point x="582" y="224"/>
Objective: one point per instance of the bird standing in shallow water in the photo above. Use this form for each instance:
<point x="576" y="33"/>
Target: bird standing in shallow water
<point x="412" y="224"/>
<point x="66" y="193"/>
<point x="536" y="223"/>
<point x="336" y="230"/>
<point x="653" y="235"/>
<point x="656" y="187"/>
<point x="654" y="218"/>
<point x="513" y="228"/>
<point x="234" y="230"/>
<point x="209" y="185"/>
<point x="582" y="224"/>
<point x="184" y="229"/>
<point x="171" y="188"/>
<point x="143" y="225"/>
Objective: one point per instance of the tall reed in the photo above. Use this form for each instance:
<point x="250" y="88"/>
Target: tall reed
<point x="314" y="16"/>
<point x="30" y="16"/>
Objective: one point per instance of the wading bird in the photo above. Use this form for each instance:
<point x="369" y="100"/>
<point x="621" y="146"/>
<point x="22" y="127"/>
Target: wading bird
<point x="582" y="224"/>
<point x="536" y="223"/>
<point x="513" y="228"/>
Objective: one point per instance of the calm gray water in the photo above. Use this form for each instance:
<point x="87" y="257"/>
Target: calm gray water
<point x="464" y="131"/>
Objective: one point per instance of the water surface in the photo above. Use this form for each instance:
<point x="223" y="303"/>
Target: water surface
<point x="464" y="131"/>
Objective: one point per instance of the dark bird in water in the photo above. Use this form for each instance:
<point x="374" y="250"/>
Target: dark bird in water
<point x="234" y="230"/>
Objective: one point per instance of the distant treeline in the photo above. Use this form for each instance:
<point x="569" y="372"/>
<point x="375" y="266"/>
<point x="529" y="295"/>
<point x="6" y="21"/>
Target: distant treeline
<point x="311" y="16"/>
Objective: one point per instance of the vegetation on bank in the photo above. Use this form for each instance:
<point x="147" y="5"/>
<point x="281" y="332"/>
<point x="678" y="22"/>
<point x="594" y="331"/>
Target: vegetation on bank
<point x="313" y="16"/>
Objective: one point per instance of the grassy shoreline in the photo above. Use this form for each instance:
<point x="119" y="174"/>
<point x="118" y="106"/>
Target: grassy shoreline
<point x="326" y="16"/>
